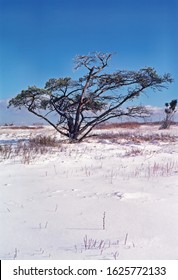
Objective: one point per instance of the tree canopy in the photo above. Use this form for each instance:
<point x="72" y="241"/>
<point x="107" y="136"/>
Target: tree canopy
<point x="75" y="107"/>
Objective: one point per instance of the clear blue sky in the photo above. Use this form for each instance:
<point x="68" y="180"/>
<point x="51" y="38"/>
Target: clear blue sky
<point x="39" y="39"/>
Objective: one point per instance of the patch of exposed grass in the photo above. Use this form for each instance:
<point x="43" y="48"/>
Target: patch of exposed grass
<point x="156" y="169"/>
<point x="135" y="138"/>
<point x="40" y="140"/>
<point x="130" y="125"/>
<point x="23" y="127"/>
<point x="28" y="151"/>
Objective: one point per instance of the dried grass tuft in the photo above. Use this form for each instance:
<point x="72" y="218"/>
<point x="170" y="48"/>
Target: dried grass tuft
<point x="29" y="150"/>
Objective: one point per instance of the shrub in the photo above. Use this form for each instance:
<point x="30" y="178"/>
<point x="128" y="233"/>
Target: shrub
<point x="40" y="140"/>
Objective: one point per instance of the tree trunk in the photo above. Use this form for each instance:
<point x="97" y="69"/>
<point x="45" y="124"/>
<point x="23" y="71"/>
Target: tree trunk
<point x="166" y="123"/>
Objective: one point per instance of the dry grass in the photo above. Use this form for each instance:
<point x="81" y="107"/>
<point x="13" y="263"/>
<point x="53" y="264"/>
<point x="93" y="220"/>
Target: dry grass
<point x="156" y="169"/>
<point x="130" y="125"/>
<point x="135" y="138"/>
<point x="29" y="150"/>
<point x="5" y="151"/>
<point x="40" y="140"/>
<point x="21" y="127"/>
<point x="106" y="247"/>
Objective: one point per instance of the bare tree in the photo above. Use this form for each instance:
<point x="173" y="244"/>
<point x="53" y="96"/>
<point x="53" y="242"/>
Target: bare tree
<point x="169" y="111"/>
<point x="98" y="96"/>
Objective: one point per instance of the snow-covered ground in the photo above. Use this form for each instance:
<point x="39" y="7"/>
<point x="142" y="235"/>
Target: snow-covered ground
<point x="105" y="198"/>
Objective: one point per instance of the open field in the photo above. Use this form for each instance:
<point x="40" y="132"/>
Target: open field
<point x="112" y="196"/>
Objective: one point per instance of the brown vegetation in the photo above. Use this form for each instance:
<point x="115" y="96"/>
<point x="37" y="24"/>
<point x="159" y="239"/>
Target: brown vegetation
<point x="135" y="138"/>
<point x="129" y="125"/>
<point x="16" y="127"/>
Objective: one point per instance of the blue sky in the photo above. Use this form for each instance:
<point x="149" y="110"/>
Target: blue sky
<point x="40" y="38"/>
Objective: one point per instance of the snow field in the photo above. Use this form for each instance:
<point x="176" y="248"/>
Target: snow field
<point x="99" y="199"/>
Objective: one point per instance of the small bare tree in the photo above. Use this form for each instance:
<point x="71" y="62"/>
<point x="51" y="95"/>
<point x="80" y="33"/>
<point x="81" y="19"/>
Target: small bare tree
<point x="74" y="108"/>
<point x="169" y="111"/>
